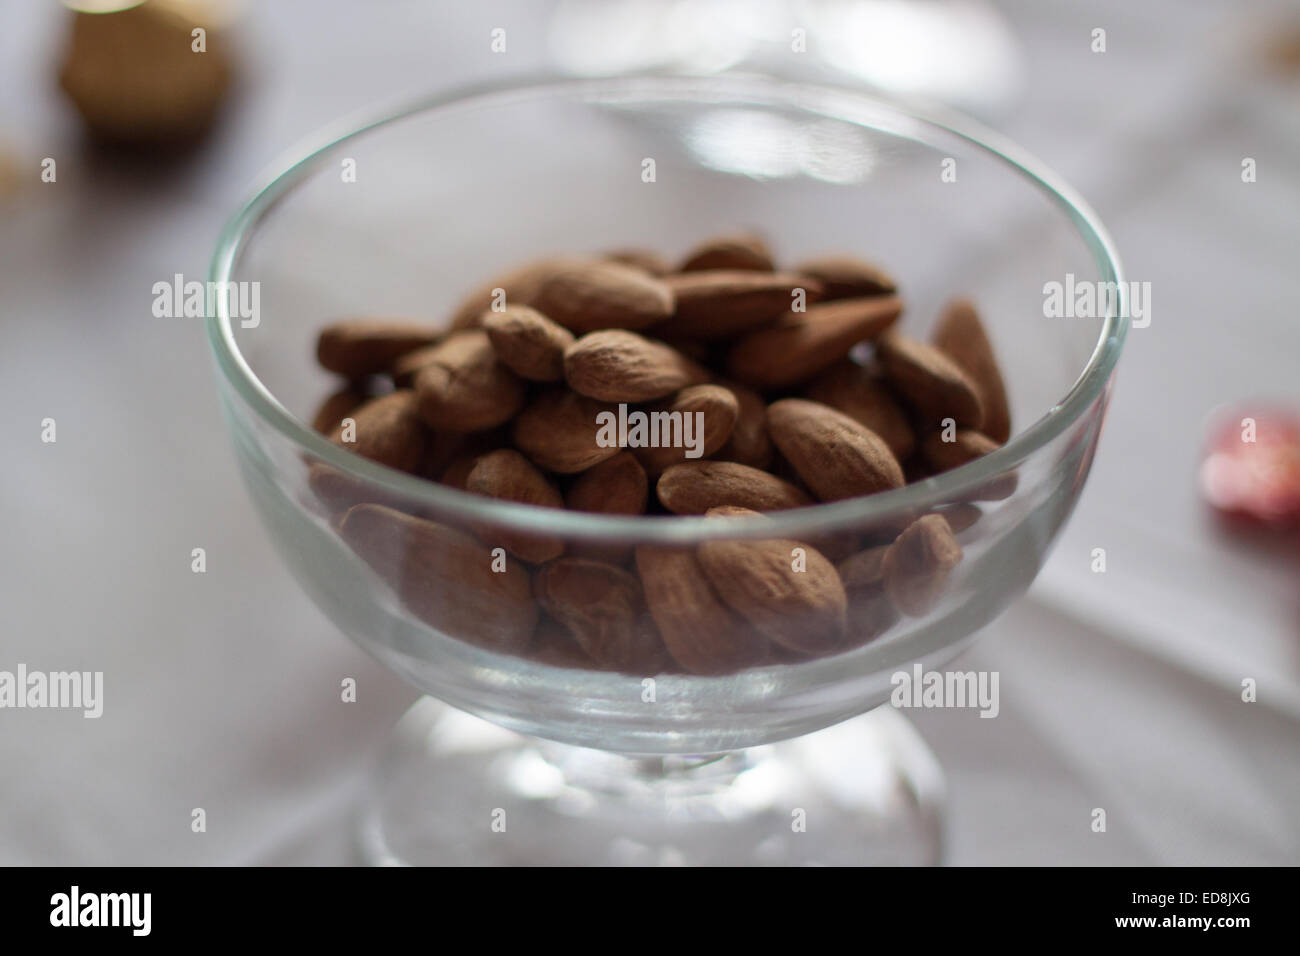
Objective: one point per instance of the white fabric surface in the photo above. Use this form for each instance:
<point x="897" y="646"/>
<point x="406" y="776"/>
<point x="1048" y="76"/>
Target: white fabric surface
<point x="1118" y="690"/>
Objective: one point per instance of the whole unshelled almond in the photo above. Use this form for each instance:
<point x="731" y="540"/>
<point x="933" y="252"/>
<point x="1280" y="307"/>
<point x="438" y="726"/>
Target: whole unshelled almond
<point x="746" y="252"/>
<point x="961" y="515"/>
<point x="850" y="388"/>
<point x="616" y="486"/>
<point x="553" y="645"/>
<point x="692" y="488"/>
<point x="445" y="577"/>
<point x="870" y="612"/>
<point x="863" y="572"/>
<point x="528" y="343"/>
<point x="719" y="409"/>
<point x="616" y="365"/>
<point x="356" y="348"/>
<point x="966" y="445"/>
<point x="387" y="429"/>
<point x="749" y="443"/>
<point x="558" y="430"/>
<point x="337" y="407"/>
<point x="960" y="335"/>
<point x="917" y="565"/>
<point x="509" y="476"/>
<point x="406" y="367"/>
<point x="465" y="388"/>
<point x="929" y="381"/>
<point x="603" y="607"/>
<point x="847" y="277"/>
<point x="701" y="632"/>
<point x="517" y="287"/>
<point x="835" y="456"/>
<point x="595" y="295"/>
<point x="799" y="345"/>
<point x="338" y="491"/>
<point x="787" y="590"/>
<point x="718" y="304"/>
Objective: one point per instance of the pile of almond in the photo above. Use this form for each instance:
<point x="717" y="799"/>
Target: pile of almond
<point x="802" y="392"/>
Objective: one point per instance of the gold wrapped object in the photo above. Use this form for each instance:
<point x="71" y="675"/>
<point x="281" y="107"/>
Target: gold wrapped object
<point x="152" y="74"/>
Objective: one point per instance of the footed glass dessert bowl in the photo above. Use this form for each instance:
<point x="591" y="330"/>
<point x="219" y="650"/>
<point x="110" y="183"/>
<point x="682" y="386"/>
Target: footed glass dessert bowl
<point x="546" y="755"/>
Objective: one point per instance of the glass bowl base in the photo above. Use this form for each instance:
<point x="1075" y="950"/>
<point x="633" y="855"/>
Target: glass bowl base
<point x="454" y="790"/>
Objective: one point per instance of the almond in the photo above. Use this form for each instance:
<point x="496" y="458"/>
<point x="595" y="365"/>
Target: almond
<point x="445" y="577"/>
<point x="359" y="347"/>
<point x="603" y="607"/>
<point x="801" y="344"/>
<point x="847" y="277"/>
<point x="387" y="429"/>
<point x="405" y="368"/>
<point x="701" y="632"/>
<point x="929" y="381"/>
<point x="465" y="388"/>
<point x="966" y="446"/>
<point x="917" y="565"/>
<point x="745" y="252"/>
<point x="620" y="366"/>
<point x="719" y="409"/>
<point x="802" y="610"/>
<point x="337" y="491"/>
<point x="337" y="407"/>
<point x="616" y="486"/>
<point x="863" y="572"/>
<point x="961" y="336"/>
<point x="870" y="613"/>
<point x="850" y="388"/>
<point x="554" y="646"/>
<point x="721" y="303"/>
<point x="558" y="431"/>
<point x="692" y="488"/>
<point x="961" y="516"/>
<point x="594" y="295"/>
<point x="509" y="476"/>
<point x="835" y="456"/>
<point x="528" y="343"/>
<point x="749" y="443"/>
<point x="516" y="287"/>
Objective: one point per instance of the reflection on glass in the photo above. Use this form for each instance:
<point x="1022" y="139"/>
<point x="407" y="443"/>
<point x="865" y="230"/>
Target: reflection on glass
<point x="766" y="145"/>
<point x="961" y="52"/>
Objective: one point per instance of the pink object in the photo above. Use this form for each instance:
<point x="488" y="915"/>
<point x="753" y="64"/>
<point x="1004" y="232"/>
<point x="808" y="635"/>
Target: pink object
<point x="1251" y="469"/>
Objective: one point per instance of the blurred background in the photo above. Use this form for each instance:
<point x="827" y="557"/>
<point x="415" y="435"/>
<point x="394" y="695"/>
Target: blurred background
<point x="120" y="161"/>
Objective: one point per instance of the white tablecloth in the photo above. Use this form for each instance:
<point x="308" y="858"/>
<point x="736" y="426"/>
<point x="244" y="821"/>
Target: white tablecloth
<point x="1118" y="690"/>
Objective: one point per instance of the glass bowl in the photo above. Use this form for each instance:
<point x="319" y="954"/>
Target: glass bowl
<point x="404" y="212"/>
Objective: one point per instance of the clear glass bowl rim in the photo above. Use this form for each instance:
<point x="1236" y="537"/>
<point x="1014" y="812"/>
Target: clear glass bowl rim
<point x="755" y="91"/>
